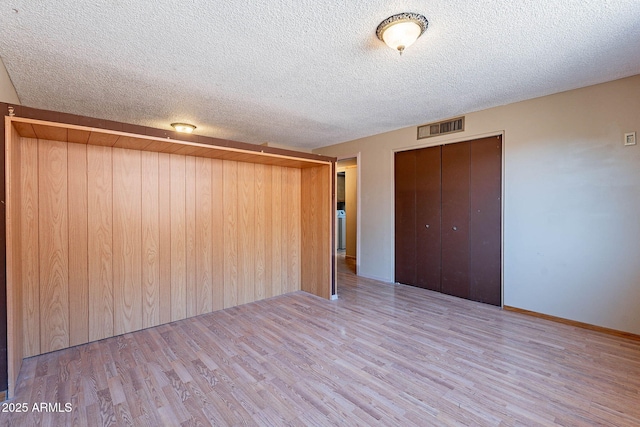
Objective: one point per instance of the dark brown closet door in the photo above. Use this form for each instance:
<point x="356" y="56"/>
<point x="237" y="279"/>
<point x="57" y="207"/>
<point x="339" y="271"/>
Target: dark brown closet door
<point x="428" y="201"/>
<point x="455" y="219"/>
<point x="405" y="221"/>
<point x="485" y="236"/>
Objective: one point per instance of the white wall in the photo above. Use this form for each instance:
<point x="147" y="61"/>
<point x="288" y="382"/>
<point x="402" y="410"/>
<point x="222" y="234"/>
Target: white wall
<point x="351" y="208"/>
<point x="571" y="201"/>
<point x="7" y="91"/>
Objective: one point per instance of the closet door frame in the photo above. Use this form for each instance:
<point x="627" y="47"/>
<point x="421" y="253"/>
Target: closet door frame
<point x="439" y="141"/>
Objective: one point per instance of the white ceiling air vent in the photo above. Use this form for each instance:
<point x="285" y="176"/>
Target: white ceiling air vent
<point x="440" y="128"/>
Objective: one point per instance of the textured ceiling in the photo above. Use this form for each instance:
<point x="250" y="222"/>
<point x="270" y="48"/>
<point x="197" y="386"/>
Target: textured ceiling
<point x="306" y="73"/>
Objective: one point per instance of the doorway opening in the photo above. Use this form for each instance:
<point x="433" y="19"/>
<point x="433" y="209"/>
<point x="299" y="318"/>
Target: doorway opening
<point x="347" y="211"/>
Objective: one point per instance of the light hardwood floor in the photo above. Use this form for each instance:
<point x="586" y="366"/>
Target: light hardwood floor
<point x="380" y="355"/>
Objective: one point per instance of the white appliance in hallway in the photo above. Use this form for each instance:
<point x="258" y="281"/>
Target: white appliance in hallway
<point x="342" y="229"/>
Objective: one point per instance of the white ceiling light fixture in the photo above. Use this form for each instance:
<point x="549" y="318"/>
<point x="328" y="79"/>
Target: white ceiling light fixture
<point x="402" y="30"/>
<point x="183" y="127"/>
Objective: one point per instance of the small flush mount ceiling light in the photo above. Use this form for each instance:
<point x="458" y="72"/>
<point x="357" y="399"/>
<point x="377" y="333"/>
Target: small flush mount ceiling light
<point x="402" y="30"/>
<point x="183" y="127"/>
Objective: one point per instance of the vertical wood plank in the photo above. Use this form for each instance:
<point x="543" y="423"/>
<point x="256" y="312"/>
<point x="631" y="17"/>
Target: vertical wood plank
<point x="260" y="230"/>
<point x="218" y="233"/>
<point x="164" y="241"/>
<point x="293" y="273"/>
<point x="310" y="232"/>
<point x="178" y="239"/>
<point x="285" y="248"/>
<point x="127" y="240"/>
<point x="29" y="256"/>
<point x="100" y="238"/>
<point x="268" y="211"/>
<point x="78" y="245"/>
<point x="16" y="326"/>
<point x="54" y="245"/>
<point x="246" y="227"/>
<point x="204" y="236"/>
<point x="276" y="230"/>
<point x="190" y="228"/>
<point x="150" y="240"/>
<point x="315" y="231"/>
<point x="230" y="206"/>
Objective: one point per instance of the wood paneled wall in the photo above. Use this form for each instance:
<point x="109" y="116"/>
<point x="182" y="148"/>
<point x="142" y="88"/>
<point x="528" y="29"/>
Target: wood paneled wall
<point x="110" y="231"/>
<point x="116" y="240"/>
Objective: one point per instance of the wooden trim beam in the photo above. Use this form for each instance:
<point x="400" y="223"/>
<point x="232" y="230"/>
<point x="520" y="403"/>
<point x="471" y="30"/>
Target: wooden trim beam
<point x="63" y="132"/>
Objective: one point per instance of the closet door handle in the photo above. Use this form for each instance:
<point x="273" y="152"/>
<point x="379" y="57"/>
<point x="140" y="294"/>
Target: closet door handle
<point x="427" y="225"/>
<point x="454" y="228"/>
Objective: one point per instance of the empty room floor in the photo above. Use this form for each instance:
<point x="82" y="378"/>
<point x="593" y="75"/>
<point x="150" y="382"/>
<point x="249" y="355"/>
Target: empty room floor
<point x="381" y="354"/>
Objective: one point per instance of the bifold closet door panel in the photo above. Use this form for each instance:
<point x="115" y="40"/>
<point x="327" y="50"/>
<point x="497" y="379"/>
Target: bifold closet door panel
<point x="455" y="219"/>
<point x="428" y="217"/>
<point x="405" y="221"/>
<point x="486" y="205"/>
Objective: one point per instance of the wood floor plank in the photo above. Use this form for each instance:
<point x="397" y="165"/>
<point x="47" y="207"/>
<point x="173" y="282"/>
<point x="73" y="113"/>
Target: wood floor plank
<point x="382" y="354"/>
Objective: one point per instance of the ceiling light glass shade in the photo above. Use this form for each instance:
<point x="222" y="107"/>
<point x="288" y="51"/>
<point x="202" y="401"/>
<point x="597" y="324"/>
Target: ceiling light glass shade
<point x="402" y="30"/>
<point x="183" y="127"/>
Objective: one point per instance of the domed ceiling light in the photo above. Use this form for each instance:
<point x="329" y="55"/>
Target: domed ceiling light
<point x="183" y="127"/>
<point x="402" y="30"/>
